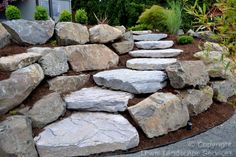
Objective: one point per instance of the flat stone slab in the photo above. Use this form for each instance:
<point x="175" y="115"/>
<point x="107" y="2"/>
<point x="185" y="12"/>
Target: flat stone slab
<point x="142" y="32"/>
<point x="86" y="133"/>
<point x="165" y="53"/>
<point x="150" y="63"/>
<point x="149" y="37"/>
<point x="150" y="45"/>
<point x="98" y="99"/>
<point x="132" y="81"/>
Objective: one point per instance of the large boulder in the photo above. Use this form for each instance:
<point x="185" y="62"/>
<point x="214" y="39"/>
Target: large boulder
<point x="123" y="47"/>
<point x="46" y="110"/>
<point x="104" y="33"/>
<point x="210" y="46"/>
<point x="16" y="138"/>
<point x="5" y="37"/>
<point x="159" y="114"/>
<point x="187" y="73"/>
<point x="150" y="37"/>
<point x="91" y="57"/>
<point x="163" y="53"/>
<point x="211" y="56"/>
<point x="17" y="88"/>
<point x="69" y="33"/>
<point x="85" y="133"/>
<point x="30" y="32"/>
<point x="40" y="50"/>
<point x="150" y="45"/>
<point x="98" y="99"/>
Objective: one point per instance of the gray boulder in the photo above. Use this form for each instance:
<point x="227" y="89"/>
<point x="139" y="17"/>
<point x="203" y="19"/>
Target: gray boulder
<point x="150" y="45"/>
<point x="142" y="32"/>
<point x="5" y="37"/>
<point x="210" y="46"/>
<point x="121" y="28"/>
<point x="40" y="50"/>
<point x="150" y="37"/>
<point x="123" y="47"/>
<point x="164" y="53"/>
<point x="128" y="36"/>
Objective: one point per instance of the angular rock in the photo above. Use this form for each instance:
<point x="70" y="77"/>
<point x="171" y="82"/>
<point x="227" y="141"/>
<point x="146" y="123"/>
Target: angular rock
<point x="14" y="62"/>
<point x="150" y="37"/>
<point x="54" y="63"/>
<point x="121" y="28"/>
<point x="150" y="45"/>
<point x="16" y="138"/>
<point x="210" y="46"/>
<point x="142" y="32"/>
<point x="187" y="73"/>
<point x="132" y="81"/>
<point x="150" y="63"/>
<point x="5" y="37"/>
<point x="17" y="88"/>
<point x="40" y="50"/>
<point x="104" y="33"/>
<point x="91" y="57"/>
<point x="83" y="134"/>
<point x="165" y="53"/>
<point x="211" y="56"/>
<point x="197" y="101"/>
<point x="128" y="36"/>
<point x="46" y="110"/>
<point x="218" y="70"/>
<point x="30" y="32"/>
<point x="98" y="99"/>
<point x="180" y="32"/>
<point x="159" y="114"/>
<point x="123" y="47"/>
<point x="69" y="33"/>
<point x="224" y="90"/>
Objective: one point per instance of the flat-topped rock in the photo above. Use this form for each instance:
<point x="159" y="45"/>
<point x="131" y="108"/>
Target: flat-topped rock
<point x="132" y="81"/>
<point x="150" y="63"/>
<point x="150" y="45"/>
<point x="86" y="133"/>
<point x="149" y="37"/>
<point x="142" y="32"/>
<point x="98" y="99"/>
<point x="164" y="53"/>
<point x="123" y="46"/>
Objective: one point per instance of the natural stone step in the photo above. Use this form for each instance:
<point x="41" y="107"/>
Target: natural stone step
<point x="149" y="37"/>
<point x="86" y="133"/>
<point x="142" y="32"/>
<point x="98" y="99"/>
<point x="164" y="53"/>
<point x="132" y="81"/>
<point x="150" y="63"/>
<point x="150" y="45"/>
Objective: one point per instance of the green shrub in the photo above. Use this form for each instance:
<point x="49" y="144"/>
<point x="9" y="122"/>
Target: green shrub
<point x="65" y="16"/>
<point x="81" y="16"/>
<point x="12" y="12"/>
<point x="185" y="39"/>
<point x="41" y="13"/>
<point x="141" y="27"/>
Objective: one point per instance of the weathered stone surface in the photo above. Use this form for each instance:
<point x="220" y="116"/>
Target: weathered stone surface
<point x="164" y="53"/>
<point x="218" y="70"/>
<point x="121" y="28"/>
<point x="88" y="133"/>
<point x="211" y="56"/>
<point x="46" y="110"/>
<point x="104" y="33"/>
<point x="16" y="138"/>
<point x="180" y="32"/>
<point x="123" y="46"/>
<point x="150" y="45"/>
<point x="64" y="84"/>
<point x="128" y="36"/>
<point x="69" y="33"/>
<point x="150" y="63"/>
<point x="14" y="62"/>
<point x="131" y="81"/>
<point x="91" y="57"/>
<point x="159" y="114"/>
<point x="54" y="63"/>
<point x="5" y="37"/>
<point x="187" y="73"/>
<point x="142" y="32"/>
<point x="98" y="99"/>
<point x="197" y="101"/>
<point x="40" y="50"/>
<point x="210" y="46"/>
<point x="150" y="37"/>
<point x="17" y="88"/>
<point x="30" y="32"/>
<point x="224" y="90"/>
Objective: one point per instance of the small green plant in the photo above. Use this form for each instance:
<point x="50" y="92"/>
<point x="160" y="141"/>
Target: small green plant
<point x="141" y="27"/>
<point x="41" y="13"/>
<point x="12" y="13"/>
<point x="185" y="39"/>
<point x="81" y="16"/>
<point x="65" y="16"/>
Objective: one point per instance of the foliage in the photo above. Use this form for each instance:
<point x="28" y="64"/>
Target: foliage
<point x="185" y="39"/>
<point x="65" y="16"/>
<point x="12" y="13"/>
<point x="140" y="27"/>
<point x="81" y="16"/>
<point x="41" y="13"/>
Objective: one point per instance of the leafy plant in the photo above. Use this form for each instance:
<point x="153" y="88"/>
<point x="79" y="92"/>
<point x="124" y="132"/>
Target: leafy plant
<point x="12" y="13"/>
<point x="81" y="16"/>
<point x="141" y="27"/>
<point x="41" y="13"/>
<point x="65" y="16"/>
<point x="185" y="39"/>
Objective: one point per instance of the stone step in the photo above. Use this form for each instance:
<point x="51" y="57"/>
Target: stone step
<point x="149" y="37"/>
<point x="86" y="133"/>
<point x="150" y="63"/>
<point x="132" y="81"/>
<point x="142" y="32"/>
<point x="150" y="45"/>
<point x="164" y="53"/>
